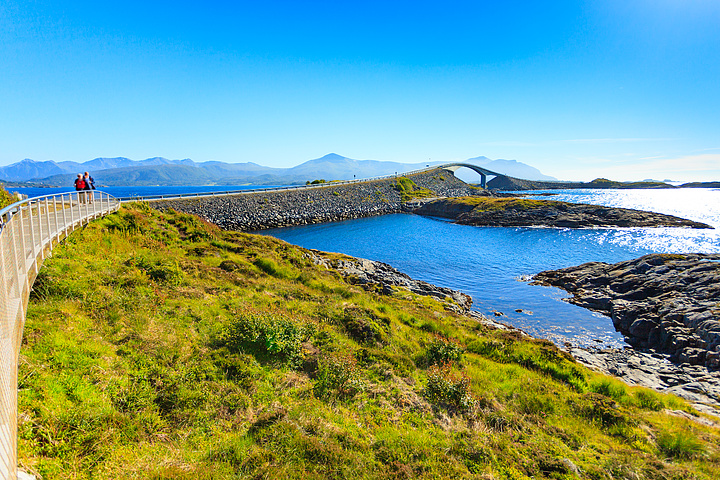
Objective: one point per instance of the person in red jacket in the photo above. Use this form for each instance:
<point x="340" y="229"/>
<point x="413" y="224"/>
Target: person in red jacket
<point x="80" y="186"/>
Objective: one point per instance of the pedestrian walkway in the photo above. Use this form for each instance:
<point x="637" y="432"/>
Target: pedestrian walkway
<point x="28" y="232"/>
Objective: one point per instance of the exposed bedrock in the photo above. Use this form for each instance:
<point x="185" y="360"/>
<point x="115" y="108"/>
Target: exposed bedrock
<point x="522" y="212"/>
<point x="661" y="302"/>
<point x="373" y="275"/>
<point x="261" y="210"/>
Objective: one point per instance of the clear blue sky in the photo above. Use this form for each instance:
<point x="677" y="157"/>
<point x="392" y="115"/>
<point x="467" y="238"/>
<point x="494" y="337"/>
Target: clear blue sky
<point x="626" y="89"/>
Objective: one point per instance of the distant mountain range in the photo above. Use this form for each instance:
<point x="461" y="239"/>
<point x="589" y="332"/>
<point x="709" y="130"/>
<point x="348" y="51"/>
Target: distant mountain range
<point x="120" y="171"/>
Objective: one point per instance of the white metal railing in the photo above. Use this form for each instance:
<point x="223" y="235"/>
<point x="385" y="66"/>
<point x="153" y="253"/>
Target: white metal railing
<point x="29" y="229"/>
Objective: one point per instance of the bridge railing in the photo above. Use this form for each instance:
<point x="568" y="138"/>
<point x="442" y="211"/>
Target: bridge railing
<point x="28" y="231"/>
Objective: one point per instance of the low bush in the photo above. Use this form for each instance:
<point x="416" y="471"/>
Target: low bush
<point x="338" y="375"/>
<point x="448" y="389"/>
<point x="159" y="269"/>
<point x="364" y="326"/>
<point x="267" y="336"/>
<point x="5" y="198"/>
<point x="443" y="350"/>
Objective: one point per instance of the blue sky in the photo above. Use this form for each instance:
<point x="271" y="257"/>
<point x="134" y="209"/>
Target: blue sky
<point x="623" y="89"/>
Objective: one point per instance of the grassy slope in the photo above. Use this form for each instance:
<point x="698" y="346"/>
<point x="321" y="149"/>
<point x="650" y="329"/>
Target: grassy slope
<point x="157" y="346"/>
<point x="485" y="204"/>
<point x="409" y="191"/>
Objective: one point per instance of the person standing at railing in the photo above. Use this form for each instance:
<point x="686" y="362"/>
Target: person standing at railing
<point x="89" y="185"/>
<point x="80" y="187"/>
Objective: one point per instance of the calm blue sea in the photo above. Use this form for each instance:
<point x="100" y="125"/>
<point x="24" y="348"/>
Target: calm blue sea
<point x="492" y="263"/>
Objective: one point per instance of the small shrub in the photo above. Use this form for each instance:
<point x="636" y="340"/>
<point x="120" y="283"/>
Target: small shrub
<point x="5" y="198"/>
<point x="266" y="335"/>
<point x="161" y="270"/>
<point x="443" y="350"/>
<point x="364" y="326"/>
<point x="337" y="375"/>
<point x="604" y="410"/>
<point x="448" y="389"/>
<point x="679" y="445"/>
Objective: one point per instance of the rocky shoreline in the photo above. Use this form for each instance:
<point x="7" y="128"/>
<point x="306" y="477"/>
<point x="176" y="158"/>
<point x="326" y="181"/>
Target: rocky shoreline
<point x="522" y="212"/>
<point x="662" y="303"/>
<point x="694" y="383"/>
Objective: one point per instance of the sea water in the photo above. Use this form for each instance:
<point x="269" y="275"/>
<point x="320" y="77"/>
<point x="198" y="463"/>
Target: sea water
<point x="492" y="264"/>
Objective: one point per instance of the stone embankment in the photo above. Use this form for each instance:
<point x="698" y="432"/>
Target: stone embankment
<point x="664" y="303"/>
<point x="262" y="210"/>
<point x="520" y="212"/>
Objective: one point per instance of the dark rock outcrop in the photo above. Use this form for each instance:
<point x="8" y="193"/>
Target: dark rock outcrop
<point x="666" y="303"/>
<point x="520" y="212"/>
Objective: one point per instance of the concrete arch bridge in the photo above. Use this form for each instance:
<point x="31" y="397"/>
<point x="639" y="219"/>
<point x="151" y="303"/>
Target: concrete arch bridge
<point x="484" y="172"/>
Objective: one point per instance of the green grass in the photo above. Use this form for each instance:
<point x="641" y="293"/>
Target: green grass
<point x="487" y="204"/>
<point x="157" y="346"/>
<point x="409" y="191"/>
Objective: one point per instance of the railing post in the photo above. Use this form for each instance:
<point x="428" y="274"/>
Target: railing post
<point x="40" y="231"/>
<point x="62" y="200"/>
<point x="72" y="212"/>
<point x="47" y="219"/>
<point x="32" y="235"/>
<point x="57" y="225"/>
<point x="22" y="242"/>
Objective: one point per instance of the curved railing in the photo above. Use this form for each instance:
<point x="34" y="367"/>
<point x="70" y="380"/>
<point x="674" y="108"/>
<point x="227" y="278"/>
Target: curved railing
<point x="28" y="231"/>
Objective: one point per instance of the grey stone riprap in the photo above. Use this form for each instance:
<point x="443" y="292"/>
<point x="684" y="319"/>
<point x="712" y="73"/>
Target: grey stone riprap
<point x="262" y="210"/>
<point x="665" y="303"/>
